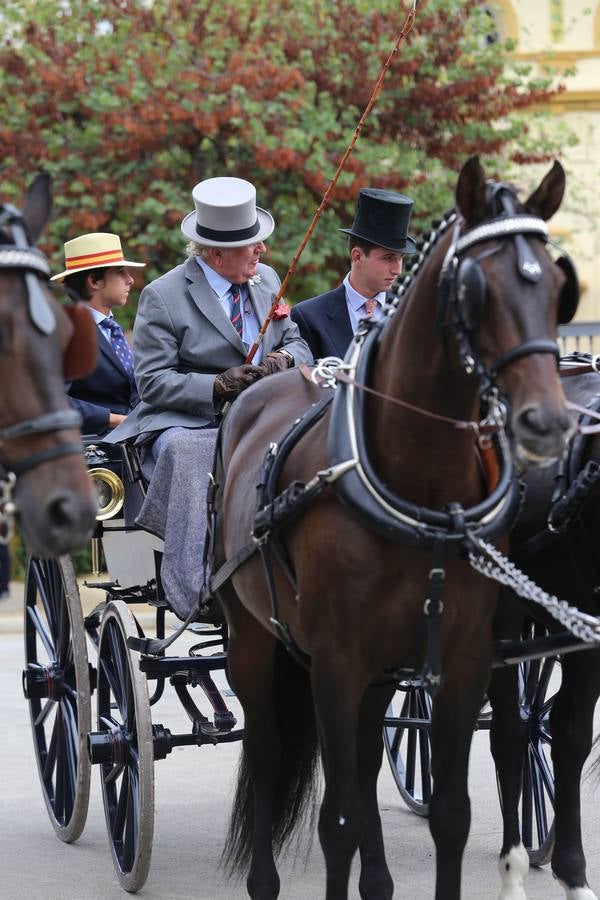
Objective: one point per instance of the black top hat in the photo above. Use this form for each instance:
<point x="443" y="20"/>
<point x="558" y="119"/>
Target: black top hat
<point x="382" y="219"/>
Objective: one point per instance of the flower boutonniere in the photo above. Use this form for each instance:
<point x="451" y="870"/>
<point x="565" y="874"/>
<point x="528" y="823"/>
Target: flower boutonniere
<point x="256" y="279"/>
<point x="282" y="310"/>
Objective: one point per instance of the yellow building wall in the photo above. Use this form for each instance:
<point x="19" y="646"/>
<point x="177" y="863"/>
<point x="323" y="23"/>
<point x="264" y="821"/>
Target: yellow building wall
<point x="560" y="33"/>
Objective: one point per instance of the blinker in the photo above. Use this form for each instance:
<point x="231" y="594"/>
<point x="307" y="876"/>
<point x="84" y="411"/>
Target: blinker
<point x="568" y="300"/>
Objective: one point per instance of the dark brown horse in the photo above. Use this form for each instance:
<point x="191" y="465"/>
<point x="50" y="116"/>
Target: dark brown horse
<point x="402" y="490"/>
<point x="566" y="563"/>
<point x="41" y="344"/>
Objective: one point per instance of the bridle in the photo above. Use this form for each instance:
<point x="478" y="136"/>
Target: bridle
<point x="462" y="283"/>
<point x="21" y="257"/>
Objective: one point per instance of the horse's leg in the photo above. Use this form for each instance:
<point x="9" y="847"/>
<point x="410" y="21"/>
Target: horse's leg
<point x="571" y="722"/>
<point x="455" y="712"/>
<point x="375" y="879"/>
<point x="508" y="741"/>
<point x="250" y="661"/>
<point x="338" y="689"/>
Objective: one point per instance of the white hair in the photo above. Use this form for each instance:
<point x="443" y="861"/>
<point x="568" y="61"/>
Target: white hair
<point x="193" y="248"/>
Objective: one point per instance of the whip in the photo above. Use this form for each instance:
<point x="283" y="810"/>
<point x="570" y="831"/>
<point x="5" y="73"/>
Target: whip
<point x="408" y="24"/>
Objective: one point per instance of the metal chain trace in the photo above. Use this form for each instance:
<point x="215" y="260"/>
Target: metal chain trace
<point x="491" y="563"/>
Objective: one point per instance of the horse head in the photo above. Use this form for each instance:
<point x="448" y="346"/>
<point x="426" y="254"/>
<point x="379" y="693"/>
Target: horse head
<point x="41" y="344"/>
<point x="506" y="297"/>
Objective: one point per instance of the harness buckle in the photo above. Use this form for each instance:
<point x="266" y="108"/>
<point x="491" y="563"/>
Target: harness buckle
<point x="427" y="607"/>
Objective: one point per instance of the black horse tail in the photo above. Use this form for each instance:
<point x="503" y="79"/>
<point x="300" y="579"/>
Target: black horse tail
<point x="295" y="790"/>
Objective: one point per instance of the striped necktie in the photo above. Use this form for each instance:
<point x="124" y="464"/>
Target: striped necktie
<point x="236" y="310"/>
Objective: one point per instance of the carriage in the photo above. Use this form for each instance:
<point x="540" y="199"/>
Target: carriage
<point x="58" y="678"/>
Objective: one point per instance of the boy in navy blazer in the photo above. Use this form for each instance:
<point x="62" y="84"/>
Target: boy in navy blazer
<point x="98" y="273"/>
<point x="378" y="241"/>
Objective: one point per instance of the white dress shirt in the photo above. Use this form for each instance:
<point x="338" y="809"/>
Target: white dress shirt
<point x="356" y="304"/>
<point x="222" y="288"/>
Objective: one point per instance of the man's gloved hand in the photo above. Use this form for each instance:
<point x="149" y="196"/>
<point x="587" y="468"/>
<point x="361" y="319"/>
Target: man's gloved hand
<point x="276" y="362"/>
<point x="233" y="381"/>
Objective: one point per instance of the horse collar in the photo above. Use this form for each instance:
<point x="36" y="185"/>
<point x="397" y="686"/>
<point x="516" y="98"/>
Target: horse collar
<point x="359" y="486"/>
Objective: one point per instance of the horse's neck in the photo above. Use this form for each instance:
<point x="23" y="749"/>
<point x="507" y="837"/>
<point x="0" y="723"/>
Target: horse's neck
<point x="413" y="366"/>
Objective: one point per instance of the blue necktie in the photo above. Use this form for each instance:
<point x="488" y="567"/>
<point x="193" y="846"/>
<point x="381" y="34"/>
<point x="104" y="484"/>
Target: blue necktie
<point x="236" y="312"/>
<point x="120" y="345"/>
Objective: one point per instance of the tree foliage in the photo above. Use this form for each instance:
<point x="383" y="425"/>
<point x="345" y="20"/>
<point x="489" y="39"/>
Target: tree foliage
<point x="129" y="103"/>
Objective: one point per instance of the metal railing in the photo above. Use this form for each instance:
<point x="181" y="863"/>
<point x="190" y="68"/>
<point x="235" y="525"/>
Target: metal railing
<point x="581" y="336"/>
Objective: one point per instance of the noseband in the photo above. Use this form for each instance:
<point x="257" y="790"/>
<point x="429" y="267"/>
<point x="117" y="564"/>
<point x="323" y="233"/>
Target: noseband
<point x="20" y="256"/>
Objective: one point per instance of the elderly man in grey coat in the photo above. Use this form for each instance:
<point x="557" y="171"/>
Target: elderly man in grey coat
<point x="192" y="333"/>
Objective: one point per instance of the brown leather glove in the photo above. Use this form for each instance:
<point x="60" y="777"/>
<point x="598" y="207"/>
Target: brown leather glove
<point x="233" y="381"/>
<point x="275" y="362"/>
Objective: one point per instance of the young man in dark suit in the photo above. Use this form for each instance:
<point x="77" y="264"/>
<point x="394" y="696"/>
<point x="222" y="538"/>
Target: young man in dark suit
<point x="378" y="241"/>
<point x="98" y="273"/>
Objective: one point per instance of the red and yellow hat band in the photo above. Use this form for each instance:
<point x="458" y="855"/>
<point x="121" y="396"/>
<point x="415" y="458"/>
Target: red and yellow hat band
<point x="95" y="259"/>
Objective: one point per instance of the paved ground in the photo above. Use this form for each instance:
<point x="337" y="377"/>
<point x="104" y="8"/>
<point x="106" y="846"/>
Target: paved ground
<point x="193" y="795"/>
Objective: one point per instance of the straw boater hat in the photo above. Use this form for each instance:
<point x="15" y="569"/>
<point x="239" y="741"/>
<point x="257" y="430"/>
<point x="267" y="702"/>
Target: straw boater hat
<point x="226" y="214"/>
<point x="93" y="251"/>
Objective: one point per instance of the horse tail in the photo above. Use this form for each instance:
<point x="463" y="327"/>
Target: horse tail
<point x="594" y="768"/>
<point x="295" y="787"/>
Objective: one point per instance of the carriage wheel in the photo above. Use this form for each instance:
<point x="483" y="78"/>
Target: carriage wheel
<point x="537" y="802"/>
<point x="128" y="777"/>
<point x="406" y="736"/>
<point x="56" y="683"/>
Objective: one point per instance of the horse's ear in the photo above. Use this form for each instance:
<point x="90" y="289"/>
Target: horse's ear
<point x="546" y="199"/>
<point x="38" y="205"/>
<point x="471" y="190"/>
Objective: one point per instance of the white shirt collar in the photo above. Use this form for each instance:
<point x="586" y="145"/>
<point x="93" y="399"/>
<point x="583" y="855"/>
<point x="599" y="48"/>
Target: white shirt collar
<point x="357" y="300"/>
<point x="221" y="286"/>
<point x="99" y="317"/>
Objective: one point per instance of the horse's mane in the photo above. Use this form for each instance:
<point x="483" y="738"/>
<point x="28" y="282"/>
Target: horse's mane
<point x="425" y="244"/>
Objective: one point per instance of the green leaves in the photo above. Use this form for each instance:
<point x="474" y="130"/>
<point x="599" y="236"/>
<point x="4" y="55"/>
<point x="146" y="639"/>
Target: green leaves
<point x="128" y="103"/>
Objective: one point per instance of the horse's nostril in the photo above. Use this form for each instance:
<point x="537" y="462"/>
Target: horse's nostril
<point x="540" y="423"/>
<point x="66" y="513"/>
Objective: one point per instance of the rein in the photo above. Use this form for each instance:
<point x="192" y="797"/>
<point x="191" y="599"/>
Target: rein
<point x="331" y="369"/>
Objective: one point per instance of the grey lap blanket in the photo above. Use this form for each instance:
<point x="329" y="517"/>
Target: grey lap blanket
<point x="177" y="464"/>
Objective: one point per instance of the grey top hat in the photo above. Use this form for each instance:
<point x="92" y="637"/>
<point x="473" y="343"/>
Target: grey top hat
<point x="226" y="214"/>
<point x="382" y="219"/>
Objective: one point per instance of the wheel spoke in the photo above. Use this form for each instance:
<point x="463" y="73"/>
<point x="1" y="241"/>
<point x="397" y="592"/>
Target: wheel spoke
<point x="546" y="671"/>
<point x="539" y="805"/>
<point x="44" y="712"/>
<point x="40" y="627"/>
<point x="542" y="767"/>
<point x="526" y="809"/>
<point x="50" y="759"/>
<point x="116" y="771"/>
<point x="120" y="817"/>
<point x="132" y="823"/>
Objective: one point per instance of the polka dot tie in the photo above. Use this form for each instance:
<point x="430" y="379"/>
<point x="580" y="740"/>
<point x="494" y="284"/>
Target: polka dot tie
<point x="370" y="307"/>
<point x="120" y="345"/>
<point x="236" y="312"/>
